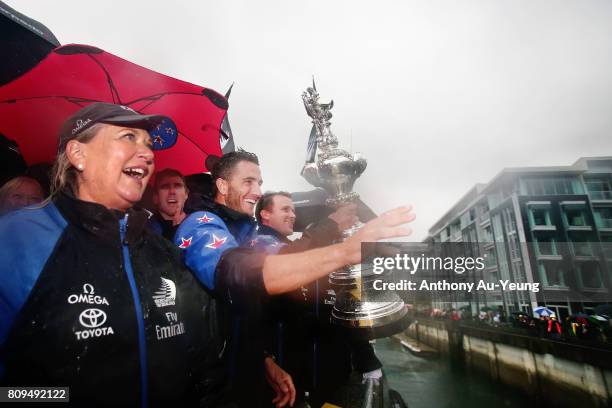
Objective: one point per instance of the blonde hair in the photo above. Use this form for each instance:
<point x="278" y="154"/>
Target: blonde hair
<point x="13" y="184"/>
<point x="64" y="175"/>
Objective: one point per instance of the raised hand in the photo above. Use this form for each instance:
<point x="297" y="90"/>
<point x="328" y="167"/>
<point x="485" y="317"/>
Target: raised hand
<point x="387" y="225"/>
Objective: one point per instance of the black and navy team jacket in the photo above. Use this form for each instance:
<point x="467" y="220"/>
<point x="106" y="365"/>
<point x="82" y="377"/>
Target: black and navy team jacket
<point x="216" y="245"/>
<point x="92" y="300"/>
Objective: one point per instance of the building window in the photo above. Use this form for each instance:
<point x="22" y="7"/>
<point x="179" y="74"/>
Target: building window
<point x="539" y="216"/>
<point x="546" y="246"/>
<point x="552" y="274"/>
<point x="575" y="217"/>
<point x="509" y="221"/>
<point x="484" y="208"/>
<point x="551" y="185"/>
<point x="493" y="277"/>
<point x="599" y="188"/>
<point x="606" y="245"/>
<point x="465" y="219"/>
<point x="495" y="199"/>
<point x="603" y="217"/>
<point x="498" y="235"/>
<point x="582" y="248"/>
<point x="455" y="230"/>
<point x="487" y="234"/>
<point x="590" y="275"/>
<point x="581" y="245"/>
<point x="490" y="258"/>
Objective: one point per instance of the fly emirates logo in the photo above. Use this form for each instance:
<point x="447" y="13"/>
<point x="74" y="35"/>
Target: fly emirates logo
<point x="91" y="319"/>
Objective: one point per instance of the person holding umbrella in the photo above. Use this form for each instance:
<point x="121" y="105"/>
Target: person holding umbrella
<point x="89" y="298"/>
<point x="554" y="328"/>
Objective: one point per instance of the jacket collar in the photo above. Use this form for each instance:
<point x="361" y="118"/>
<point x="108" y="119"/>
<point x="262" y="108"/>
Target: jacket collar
<point x="266" y="230"/>
<point x="241" y="226"/>
<point x="99" y="220"/>
<point x="227" y="214"/>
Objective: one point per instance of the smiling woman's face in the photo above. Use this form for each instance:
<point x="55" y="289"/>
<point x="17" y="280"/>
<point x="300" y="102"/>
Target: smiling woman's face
<point x="116" y="166"/>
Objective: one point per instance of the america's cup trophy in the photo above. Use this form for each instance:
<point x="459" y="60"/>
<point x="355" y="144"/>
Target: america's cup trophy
<point x="375" y="313"/>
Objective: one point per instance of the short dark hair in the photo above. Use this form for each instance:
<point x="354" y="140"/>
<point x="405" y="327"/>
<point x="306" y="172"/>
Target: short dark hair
<point x="226" y="164"/>
<point x="266" y="201"/>
<point x="168" y="173"/>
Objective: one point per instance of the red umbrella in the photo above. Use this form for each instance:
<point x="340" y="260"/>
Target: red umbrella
<point x="33" y="107"/>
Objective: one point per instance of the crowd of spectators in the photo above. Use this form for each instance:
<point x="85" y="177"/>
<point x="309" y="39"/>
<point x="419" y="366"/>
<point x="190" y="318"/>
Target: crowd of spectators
<point x="580" y="327"/>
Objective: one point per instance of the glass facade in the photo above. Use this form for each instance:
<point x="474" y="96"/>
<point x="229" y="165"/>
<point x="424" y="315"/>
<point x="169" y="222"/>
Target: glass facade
<point x="539" y="186"/>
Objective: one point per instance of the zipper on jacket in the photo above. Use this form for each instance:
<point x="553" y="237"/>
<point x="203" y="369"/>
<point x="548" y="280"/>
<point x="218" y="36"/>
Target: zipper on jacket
<point x="142" y="346"/>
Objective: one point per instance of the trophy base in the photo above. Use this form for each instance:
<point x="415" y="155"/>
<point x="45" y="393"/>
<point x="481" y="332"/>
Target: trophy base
<point x="372" y="320"/>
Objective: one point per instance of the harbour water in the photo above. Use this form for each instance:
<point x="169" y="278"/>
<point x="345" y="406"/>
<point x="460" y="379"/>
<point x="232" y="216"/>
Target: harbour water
<point x="436" y="383"/>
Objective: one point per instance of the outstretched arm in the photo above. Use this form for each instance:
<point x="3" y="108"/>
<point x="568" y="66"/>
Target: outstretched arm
<point x="284" y="273"/>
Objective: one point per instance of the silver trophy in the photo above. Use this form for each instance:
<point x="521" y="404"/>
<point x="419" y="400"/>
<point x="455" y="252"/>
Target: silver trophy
<point x="357" y="305"/>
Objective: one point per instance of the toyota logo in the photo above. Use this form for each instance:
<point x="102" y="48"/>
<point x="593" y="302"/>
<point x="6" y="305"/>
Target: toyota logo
<point x="92" y="318"/>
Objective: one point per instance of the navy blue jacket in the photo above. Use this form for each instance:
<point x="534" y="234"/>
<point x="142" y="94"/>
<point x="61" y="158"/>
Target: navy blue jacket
<point x="90" y="299"/>
<point x="216" y="243"/>
<point x="319" y="355"/>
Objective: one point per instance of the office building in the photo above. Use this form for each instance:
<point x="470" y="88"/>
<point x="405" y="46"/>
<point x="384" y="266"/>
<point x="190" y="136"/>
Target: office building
<point x="551" y="225"/>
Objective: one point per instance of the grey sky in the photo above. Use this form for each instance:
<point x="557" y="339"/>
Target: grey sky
<point x="438" y="95"/>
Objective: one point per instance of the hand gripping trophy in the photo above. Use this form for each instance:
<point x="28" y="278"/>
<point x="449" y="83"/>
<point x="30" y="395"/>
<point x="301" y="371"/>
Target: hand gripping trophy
<point x="375" y="313"/>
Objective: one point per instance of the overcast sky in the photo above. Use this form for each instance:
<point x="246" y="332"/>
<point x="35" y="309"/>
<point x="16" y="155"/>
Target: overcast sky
<point x="437" y="94"/>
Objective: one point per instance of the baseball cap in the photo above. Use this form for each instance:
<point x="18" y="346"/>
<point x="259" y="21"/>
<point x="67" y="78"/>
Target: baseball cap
<point x="161" y="128"/>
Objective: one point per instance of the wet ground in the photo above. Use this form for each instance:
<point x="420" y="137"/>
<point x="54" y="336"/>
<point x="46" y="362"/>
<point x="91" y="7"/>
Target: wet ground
<point x="435" y="383"/>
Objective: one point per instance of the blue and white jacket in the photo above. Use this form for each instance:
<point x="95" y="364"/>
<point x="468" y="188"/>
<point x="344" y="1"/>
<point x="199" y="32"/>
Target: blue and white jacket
<point x="216" y="243"/>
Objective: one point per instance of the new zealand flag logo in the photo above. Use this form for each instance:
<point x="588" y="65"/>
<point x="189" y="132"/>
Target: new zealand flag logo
<point x="164" y="135"/>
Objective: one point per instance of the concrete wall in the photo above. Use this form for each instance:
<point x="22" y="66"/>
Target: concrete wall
<point x="433" y="334"/>
<point x="564" y="375"/>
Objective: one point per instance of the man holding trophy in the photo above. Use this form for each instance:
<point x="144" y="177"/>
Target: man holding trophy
<point x="216" y="245"/>
<point x="319" y="355"/>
